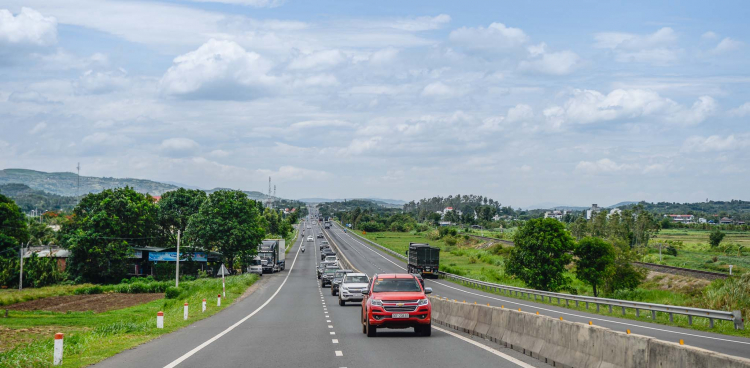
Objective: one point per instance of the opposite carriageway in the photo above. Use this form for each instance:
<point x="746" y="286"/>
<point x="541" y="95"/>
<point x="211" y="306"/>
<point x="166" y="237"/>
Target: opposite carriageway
<point x="355" y="246"/>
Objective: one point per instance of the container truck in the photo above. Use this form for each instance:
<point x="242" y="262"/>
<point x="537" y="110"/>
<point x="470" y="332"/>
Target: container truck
<point x="423" y="259"/>
<point x="273" y="252"/>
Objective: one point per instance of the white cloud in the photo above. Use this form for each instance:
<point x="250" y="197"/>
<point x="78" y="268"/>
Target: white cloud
<point x="38" y="128"/>
<point x="321" y="124"/>
<point x="102" y="82"/>
<point x="422" y="23"/>
<point x="219" y="153"/>
<point x="105" y="140"/>
<point x="317" y="60"/>
<point x="496" y="36"/>
<point x="709" y="36"/>
<point x="383" y="56"/>
<point x="727" y="45"/>
<point x="589" y="106"/>
<point x="179" y="147"/>
<point x="604" y="165"/>
<point x="715" y="143"/>
<point x="29" y="27"/>
<point x="360" y="146"/>
<point x="30" y="97"/>
<point x="289" y="173"/>
<point x="219" y="69"/>
<point x="741" y="111"/>
<point x="553" y="63"/>
<point x="520" y="113"/>
<point x="438" y="89"/>
<point x="253" y="3"/>
<point x="657" y="48"/>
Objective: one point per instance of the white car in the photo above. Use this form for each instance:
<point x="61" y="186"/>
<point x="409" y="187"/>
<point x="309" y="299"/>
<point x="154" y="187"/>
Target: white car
<point x="310" y="238"/>
<point x="351" y="287"/>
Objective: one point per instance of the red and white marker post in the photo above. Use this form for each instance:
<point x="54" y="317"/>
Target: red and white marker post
<point x="185" y="312"/>
<point x="218" y="301"/>
<point x="58" y="354"/>
<point x="204" y="305"/>
<point x="160" y="320"/>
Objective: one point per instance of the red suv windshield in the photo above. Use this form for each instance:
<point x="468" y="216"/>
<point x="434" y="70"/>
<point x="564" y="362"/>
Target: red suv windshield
<point x="391" y="285"/>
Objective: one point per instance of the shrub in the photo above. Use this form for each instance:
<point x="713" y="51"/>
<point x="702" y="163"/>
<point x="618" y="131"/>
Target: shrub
<point x="450" y="241"/>
<point x="472" y="260"/>
<point x="672" y="251"/>
<point x="433" y="235"/>
<point x="172" y="292"/>
<point x="187" y="278"/>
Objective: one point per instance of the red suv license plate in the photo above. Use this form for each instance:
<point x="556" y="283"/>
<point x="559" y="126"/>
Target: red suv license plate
<point x="400" y="315"/>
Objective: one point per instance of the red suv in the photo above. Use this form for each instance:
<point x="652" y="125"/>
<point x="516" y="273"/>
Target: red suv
<point x="396" y="301"/>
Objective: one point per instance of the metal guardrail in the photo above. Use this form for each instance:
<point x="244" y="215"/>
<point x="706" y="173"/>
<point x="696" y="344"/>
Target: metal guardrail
<point x="734" y="316"/>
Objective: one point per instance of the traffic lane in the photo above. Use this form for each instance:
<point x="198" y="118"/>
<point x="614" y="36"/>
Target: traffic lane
<point x="290" y="332"/>
<point x="167" y="348"/>
<point x="736" y="346"/>
<point x="397" y="347"/>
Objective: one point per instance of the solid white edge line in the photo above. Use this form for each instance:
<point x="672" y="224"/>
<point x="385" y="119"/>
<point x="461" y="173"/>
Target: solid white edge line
<point x="563" y="313"/>
<point x="232" y="327"/>
<point x="485" y="347"/>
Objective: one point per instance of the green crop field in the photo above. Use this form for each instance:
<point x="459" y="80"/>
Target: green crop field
<point x="91" y="337"/>
<point x="695" y="252"/>
<point x="468" y="260"/>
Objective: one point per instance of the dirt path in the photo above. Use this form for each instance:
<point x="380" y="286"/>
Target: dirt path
<point x="79" y="303"/>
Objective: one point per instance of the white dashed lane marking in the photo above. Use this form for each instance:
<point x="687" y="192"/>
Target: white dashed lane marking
<point x="335" y="341"/>
<point x="339" y="353"/>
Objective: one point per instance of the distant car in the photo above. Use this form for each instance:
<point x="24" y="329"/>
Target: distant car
<point x="337" y="277"/>
<point x="326" y="253"/>
<point x="419" y="277"/>
<point x="310" y="238"/>
<point x="351" y="287"/>
<point x="320" y="236"/>
<point x="327" y="276"/>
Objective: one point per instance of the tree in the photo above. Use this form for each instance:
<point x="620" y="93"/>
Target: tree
<point x="230" y="223"/>
<point x="623" y="275"/>
<point x="594" y="259"/>
<point x="102" y="230"/>
<point x="579" y="228"/>
<point x="175" y="209"/>
<point x="716" y="237"/>
<point x="40" y="233"/>
<point x="541" y="253"/>
<point x="13" y="229"/>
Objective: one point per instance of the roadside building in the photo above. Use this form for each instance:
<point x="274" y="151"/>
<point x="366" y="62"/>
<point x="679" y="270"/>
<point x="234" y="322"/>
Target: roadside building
<point x="591" y="212"/>
<point x="702" y="221"/>
<point x="556" y="214"/>
<point x="725" y="221"/>
<point x="683" y="219"/>
<point x="49" y="251"/>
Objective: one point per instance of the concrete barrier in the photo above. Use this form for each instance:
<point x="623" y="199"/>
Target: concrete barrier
<point x="568" y="344"/>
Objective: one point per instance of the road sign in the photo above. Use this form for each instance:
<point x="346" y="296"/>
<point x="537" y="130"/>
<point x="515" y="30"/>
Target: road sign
<point x="223" y="271"/>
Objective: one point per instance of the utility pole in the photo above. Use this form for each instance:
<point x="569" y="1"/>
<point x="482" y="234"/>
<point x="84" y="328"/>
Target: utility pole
<point x="177" y="268"/>
<point x="20" y="280"/>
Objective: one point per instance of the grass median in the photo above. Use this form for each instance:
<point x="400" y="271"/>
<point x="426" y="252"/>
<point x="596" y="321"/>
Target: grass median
<point x="483" y="265"/>
<point x="92" y="337"/>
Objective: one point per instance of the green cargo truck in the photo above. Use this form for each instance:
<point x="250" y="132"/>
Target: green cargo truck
<point x="423" y="259"/>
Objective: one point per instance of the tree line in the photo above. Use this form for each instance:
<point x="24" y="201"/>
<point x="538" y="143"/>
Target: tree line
<point x="103" y="228"/>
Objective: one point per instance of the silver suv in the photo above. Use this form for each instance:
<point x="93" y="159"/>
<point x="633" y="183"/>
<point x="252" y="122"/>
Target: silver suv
<point x="351" y="287"/>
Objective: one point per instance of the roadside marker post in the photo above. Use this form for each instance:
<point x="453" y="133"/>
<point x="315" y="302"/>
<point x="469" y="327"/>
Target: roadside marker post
<point x="218" y="301"/>
<point x="58" y="354"/>
<point x="160" y="320"/>
<point x="185" y="312"/>
<point x="204" y="305"/>
<point x="223" y="271"/>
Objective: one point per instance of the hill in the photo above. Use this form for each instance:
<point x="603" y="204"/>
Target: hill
<point x="66" y="183"/>
<point x="28" y="199"/>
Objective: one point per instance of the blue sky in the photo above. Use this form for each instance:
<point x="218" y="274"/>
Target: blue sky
<point x="527" y="102"/>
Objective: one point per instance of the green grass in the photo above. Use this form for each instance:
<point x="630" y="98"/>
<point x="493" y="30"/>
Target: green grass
<point x="91" y="337"/>
<point x="695" y="253"/>
<point x="484" y="266"/>
<point x="13" y="296"/>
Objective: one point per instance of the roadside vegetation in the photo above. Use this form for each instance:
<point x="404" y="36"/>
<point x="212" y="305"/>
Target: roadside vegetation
<point x="27" y="336"/>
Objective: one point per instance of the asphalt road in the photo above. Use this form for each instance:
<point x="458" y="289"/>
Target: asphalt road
<point x="373" y="260"/>
<point x="289" y="321"/>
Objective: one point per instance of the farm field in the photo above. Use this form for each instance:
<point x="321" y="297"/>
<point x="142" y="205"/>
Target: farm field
<point x="125" y="320"/>
<point x="695" y="253"/>
<point x="467" y="258"/>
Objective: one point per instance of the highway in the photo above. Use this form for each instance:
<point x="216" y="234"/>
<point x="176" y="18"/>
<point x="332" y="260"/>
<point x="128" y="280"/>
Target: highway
<point x="369" y="259"/>
<point x="289" y="321"/>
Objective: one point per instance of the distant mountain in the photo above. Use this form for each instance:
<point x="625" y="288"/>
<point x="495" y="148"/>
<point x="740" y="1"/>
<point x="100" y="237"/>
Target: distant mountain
<point x="554" y="206"/>
<point x="623" y="204"/>
<point x="390" y="203"/>
<point x="252" y="194"/>
<point x="66" y="183"/>
<point x="29" y="199"/>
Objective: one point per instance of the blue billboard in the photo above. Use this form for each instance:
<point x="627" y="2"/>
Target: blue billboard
<point x="172" y="256"/>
